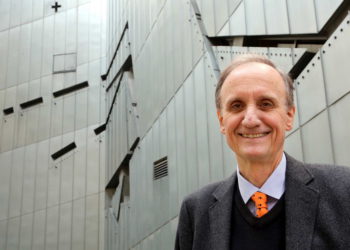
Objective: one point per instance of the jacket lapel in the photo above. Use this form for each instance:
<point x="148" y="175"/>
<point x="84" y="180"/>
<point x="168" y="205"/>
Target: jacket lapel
<point x="220" y="215"/>
<point x="301" y="199"/>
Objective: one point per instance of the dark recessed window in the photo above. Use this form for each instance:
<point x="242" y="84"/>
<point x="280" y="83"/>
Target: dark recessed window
<point x="31" y="103"/>
<point x="63" y="151"/>
<point x="160" y="168"/>
<point x="70" y="89"/>
<point x="100" y="129"/>
<point x="8" y="111"/>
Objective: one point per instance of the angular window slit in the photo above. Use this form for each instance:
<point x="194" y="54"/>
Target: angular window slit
<point x="160" y="168"/>
<point x="63" y="151"/>
<point x="31" y="103"/>
<point x="100" y="129"/>
<point x="8" y="111"/>
<point x="70" y="89"/>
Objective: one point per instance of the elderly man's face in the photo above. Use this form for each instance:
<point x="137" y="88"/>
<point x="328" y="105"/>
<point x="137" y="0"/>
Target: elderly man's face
<point x="254" y="114"/>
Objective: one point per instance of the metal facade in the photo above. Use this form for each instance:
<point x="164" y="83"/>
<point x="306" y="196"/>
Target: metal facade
<point x="152" y="68"/>
<point x="48" y="203"/>
<point x="168" y="94"/>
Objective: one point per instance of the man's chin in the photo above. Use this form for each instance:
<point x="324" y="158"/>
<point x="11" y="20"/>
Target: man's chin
<point x="254" y="155"/>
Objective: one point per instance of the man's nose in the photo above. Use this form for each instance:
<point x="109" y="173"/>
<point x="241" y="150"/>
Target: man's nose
<point x="251" y="117"/>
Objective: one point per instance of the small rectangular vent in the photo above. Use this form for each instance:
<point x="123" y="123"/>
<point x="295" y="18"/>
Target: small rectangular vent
<point x="160" y="168"/>
<point x="64" y="63"/>
<point x="70" y="89"/>
<point x="31" y="103"/>
<point x="8" y="111"/>
<point x="63" y="151"/>
<point x="100" y="129"/>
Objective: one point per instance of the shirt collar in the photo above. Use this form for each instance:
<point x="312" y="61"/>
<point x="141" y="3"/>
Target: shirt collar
<point x="274" y="186"/>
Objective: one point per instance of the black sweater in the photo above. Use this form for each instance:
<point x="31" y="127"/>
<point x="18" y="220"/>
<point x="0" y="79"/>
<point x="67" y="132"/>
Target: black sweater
<point x="250" y="232"/>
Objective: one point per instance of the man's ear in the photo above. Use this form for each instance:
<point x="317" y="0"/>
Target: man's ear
<point x="220" y="118"/>
<point x="290" y="118"/>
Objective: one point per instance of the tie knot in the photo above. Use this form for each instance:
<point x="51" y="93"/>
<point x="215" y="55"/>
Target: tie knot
<point x="259" y="197"/>
<point x="260" y="200"/>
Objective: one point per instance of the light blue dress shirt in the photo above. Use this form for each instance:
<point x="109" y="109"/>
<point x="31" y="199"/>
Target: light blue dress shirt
<point x="273" y="187"/>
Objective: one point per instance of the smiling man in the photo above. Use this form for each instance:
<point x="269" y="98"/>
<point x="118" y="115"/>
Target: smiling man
<point x="273" y="201"/>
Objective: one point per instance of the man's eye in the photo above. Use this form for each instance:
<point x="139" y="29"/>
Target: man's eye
<point x="266" y="104"/>
<point x="236" y="106"/>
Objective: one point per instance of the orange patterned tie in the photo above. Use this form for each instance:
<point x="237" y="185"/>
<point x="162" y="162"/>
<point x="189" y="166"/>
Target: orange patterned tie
<point x="260" y="200"/>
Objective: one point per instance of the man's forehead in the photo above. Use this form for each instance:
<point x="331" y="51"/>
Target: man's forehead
<point x="251" y="68"/>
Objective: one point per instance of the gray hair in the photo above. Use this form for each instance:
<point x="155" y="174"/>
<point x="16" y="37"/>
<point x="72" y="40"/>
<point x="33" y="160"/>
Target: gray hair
<point x="248" y="58"/>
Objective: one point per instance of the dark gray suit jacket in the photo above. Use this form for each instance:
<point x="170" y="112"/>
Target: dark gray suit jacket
<point x="317" y="206"/>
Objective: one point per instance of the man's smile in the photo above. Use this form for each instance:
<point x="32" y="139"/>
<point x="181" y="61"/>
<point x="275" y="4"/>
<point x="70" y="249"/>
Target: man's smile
<point x="257" y="135"/>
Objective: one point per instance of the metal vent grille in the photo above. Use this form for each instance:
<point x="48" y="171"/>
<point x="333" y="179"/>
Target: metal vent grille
<point x="160" y="168"/>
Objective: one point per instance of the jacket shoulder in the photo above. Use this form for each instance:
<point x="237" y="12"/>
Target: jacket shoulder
<point x="333" y="176"/>
<point x="204" y="197"/>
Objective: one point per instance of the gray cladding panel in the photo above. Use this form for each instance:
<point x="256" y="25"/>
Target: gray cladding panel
<point x="220" y="13"/>
<point x="7" y="136"/>
<point x="47" y="46"/>
<point x="310" y="90"/>
<point x="91" y="222"/>
<point x="3" y="59"/>
<point x="78" y="224"/>
<point x="201" y="123"/>
<point x="214" y="137"/>
<point x="206" y="9"/>
<point x="36" y="50"/>
<point x="335" y="62"/>
<point x="39" y="230"/>
<point x="324" y="10"/>
<point x="276" y="10"/>
<point x="255" y="17"/>
<point x="13" y="57"/>
<point x="26" y="231"/>
<point x="5" y="7"/>
<point x="51" y="232"/>
<point x="26" y="11"/>
<point x="13" y="229"/>
<point x="317" y="148"/>
<point x="66" y="185"/>
<point x="29" y="179"/>
<point x="5" y="159"/>
<point x="65" y="218"/>
<point x="42" y="157"/>
<point x="304" y="9"/>
<point x="80" y="159"/>
<point x="293" y="145"/>
<point x="187" y="42"/>
<point x="190" y="144"/>
<point x="25" y="53"/>
<point x="180" y="142"/>
<point x="92" y="166"/>
<point x="16" y="182"/>
<point x="340" y="123"/>
<point x="172" y="160"/>
<point x="237" y="21"/>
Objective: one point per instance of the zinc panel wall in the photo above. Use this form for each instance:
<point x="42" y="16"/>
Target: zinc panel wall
<point x="319" y="84"/>
<point x="175" y="100"/>
<point x="43" y="201"/>
<point x="268" y="17"/>
<point x="173" y="57"/>
<point x="173" y="128"/>
<point x="37" y="123"/>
